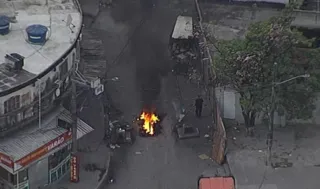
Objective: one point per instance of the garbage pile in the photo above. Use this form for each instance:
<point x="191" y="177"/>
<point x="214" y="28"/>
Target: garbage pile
<point x="185" y="53"/>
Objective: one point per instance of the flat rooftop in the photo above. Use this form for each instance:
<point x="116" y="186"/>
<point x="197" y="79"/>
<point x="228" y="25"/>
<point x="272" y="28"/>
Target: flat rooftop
<point x="50" y="13"/>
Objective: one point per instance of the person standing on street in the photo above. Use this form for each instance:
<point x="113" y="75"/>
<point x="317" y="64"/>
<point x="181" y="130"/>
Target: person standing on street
<point x="198" y="104"/>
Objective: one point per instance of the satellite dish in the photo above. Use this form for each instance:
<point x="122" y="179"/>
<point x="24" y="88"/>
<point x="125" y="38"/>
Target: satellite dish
<point x="58" y="92"/>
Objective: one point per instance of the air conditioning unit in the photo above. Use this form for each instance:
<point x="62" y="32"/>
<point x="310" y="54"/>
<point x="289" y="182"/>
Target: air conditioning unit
<point x="15" y="61"/>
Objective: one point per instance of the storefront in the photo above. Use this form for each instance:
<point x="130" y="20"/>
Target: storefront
<point x="59" y="164"/>
<point x="42" y="164"/>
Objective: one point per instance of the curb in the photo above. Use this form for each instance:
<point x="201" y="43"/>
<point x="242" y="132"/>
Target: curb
<point x="105" y="175"/>
<point x="226" y="168"/>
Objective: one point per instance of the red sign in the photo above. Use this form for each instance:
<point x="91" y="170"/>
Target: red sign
<point x="74" y="177"/>
<point x="6" y="160"/>
<point x="45" y="149"/>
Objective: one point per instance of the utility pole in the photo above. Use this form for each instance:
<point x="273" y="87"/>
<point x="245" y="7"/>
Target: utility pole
<point x="271" y="126"/>
<point x="271" y="118"/>
<point x="74" y="177"/>
<point x="73" y="105"/>
<point x="40" y="90"/>
<point x="272" y="109"/>
<point x="74" y="112"/>
<point x="106" y="111"/>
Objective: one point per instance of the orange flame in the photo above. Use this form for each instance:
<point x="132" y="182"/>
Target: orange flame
<point x="149" y="120"/>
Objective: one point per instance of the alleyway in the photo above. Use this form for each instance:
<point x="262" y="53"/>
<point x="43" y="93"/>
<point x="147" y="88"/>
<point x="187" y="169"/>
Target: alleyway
<point x="135" y="36"/>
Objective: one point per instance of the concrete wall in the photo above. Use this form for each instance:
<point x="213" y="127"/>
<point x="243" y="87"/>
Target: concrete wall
<point x="224" y="103"/>
<point x="306" y="19"/>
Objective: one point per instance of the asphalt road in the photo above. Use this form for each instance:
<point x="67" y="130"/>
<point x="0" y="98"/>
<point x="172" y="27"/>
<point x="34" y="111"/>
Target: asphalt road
<point x="136" y="35"/>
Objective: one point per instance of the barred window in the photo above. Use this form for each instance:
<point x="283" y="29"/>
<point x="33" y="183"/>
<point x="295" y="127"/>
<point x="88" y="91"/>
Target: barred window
<point x="12" y="104"/>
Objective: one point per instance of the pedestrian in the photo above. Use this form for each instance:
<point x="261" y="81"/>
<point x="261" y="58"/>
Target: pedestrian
<point x="198" y="104"/>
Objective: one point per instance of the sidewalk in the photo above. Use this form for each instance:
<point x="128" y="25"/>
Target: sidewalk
<point x="202" y="145"/>
<point x="295" y="154"/>
<point x="88" y="179"/>
<point x="189" y="92"/>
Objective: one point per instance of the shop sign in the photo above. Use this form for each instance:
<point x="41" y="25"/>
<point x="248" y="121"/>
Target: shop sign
<point x="6" y="160"/>
<point x="43" y="150"/>
<point x="74" y="177"/>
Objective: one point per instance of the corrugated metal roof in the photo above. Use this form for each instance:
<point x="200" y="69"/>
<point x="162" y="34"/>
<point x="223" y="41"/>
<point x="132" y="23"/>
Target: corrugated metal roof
<point x="82" y="127"/>
<point x="183" y="28"/>
<point x="28" y="140"/>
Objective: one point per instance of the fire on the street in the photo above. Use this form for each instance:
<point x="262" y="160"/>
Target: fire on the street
<point x="149" y="121"/>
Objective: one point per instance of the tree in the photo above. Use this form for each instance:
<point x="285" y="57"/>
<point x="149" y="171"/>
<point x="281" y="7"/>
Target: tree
<point x="248" y="66"/>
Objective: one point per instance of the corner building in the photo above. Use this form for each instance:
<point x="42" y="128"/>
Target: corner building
<point x="39" y="45"/>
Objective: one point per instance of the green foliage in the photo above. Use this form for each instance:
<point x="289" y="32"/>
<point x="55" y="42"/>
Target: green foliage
<point x="271" y="52"/>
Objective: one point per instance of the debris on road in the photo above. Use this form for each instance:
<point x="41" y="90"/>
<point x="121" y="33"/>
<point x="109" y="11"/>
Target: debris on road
<point x="184" y="46"/>
<point x="138" y="153"/>
<point x="187" y="131"/>
<point x="203" y="157"/>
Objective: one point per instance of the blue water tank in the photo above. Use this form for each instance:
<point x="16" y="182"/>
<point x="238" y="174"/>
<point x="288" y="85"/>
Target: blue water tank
<point x="37" y="34"/>
<point x="4" y="25"/>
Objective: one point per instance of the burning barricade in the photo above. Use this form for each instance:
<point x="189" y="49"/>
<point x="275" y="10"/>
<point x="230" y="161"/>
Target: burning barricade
<point x="149" y="124"/>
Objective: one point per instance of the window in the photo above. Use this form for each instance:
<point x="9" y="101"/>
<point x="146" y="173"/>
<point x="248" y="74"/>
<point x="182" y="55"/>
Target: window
<point x="73" y="58"/>
<point x="59" y="164"/>
<point x="60" y="170"/>
<point x="56" y="158"/>
<point x="12" y="104"/>
<point x="4" y="174"/>
<point x="25" y="99"/>
<point x="23" y="176"/>
<point x="64" y="169"/>
<point x="53" y="176"/>
<point x="63" y="69"/>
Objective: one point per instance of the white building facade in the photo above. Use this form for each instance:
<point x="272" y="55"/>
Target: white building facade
<point x="229" y="102"/>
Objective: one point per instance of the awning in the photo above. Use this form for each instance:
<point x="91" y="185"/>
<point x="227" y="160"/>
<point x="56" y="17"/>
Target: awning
<point x="183" y="28"/>
<point x="34" y="141"/>
<point x="82" y="129"/>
